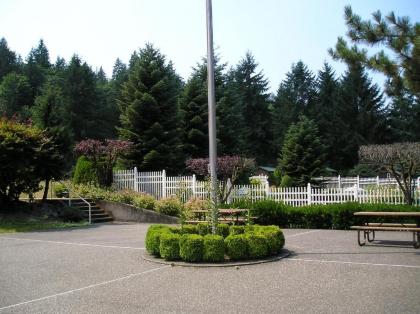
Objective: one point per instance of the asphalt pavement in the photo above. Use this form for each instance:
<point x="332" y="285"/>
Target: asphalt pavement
<point x="100" y="270"/>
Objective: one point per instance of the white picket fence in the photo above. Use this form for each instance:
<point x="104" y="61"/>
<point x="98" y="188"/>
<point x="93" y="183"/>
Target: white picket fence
<point x="361" y="182"/>
<point x="160" y="186"/>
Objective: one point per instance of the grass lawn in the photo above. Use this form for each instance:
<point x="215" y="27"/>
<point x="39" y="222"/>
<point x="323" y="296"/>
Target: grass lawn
<point x="11" y="226"/>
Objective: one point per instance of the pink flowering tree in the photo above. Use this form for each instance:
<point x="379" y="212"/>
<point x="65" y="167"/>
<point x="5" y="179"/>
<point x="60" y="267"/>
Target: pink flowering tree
<point x="103" y="155"/>
<point x="229" y="168"/>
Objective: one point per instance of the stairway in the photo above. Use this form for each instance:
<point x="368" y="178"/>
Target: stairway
<point x="97" y="214"/>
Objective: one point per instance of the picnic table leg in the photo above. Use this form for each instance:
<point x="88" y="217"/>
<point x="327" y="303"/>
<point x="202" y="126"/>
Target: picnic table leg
<point x="416" y="242"/>
<point x="358" y="238"/>
<point x="368" y="237"/>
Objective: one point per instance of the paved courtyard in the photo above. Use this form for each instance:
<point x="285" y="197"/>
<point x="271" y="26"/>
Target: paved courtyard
<point x="100" y="270"/>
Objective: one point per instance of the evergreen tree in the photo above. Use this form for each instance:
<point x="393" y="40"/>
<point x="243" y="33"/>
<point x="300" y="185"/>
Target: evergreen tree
<point x="15" y="96"/>
<point x="295" y="96"/>
<point x="303" y="154"/>
<point x="80" y="92"/>
<point x="8" y="59"/>
<point x="149" y="117"/>
<point x="252" y="89"/>
<point x="194" y="109"/>
<point x="48" y="113"/>
<point x="362" y="108"/>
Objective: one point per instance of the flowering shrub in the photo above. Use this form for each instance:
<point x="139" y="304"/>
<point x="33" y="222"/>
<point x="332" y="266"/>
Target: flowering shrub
<point x="169" y="206"/>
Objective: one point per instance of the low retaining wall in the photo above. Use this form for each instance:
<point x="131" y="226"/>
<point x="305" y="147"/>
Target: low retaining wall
<point x="124" y="212"/>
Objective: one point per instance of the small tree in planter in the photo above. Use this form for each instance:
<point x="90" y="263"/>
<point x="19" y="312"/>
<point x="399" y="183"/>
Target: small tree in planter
<point x="402" y="160"/>
<point x="103" y="156"/>
<point x="229" y="168"/>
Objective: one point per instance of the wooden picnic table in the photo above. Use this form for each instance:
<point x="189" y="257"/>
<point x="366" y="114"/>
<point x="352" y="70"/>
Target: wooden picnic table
<point x="225" y="215"/>
<point x="369" y="228"/>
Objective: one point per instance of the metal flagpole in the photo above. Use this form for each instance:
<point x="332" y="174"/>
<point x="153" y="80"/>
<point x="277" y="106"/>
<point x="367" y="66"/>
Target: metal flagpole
<point x="212" y="115"/>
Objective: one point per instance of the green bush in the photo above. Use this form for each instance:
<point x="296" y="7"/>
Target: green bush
<point x="214" y="248"/>
<point x="144" y="201"/>
<point x="190" y="229"/>
<point x="169" y="206"/>
<point x="234" y="230"/>
<point x="222" y="230"/>
<point x="203" y="228"/>
<point x="84" y="173"/>
<point x="169" y="246"/>
<point x="286" y="181"/>
<point x="191" y="247"/>
<point x="60" y="190"/>
<point x="70" y="214"/>
<point x="257" y="245"/>
<point x="153" y="238"/>
<point x="237" y="246"/>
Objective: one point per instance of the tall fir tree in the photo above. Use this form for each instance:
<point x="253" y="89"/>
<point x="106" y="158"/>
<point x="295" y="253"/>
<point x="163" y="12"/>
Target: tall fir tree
<point x="295" y="96"/>
<point x="15" y="96"/>
<point x="252" y="88"/>
<point x="149" y="117"/>
<point x="80" y="93"/>
<point x="194" y="108"/>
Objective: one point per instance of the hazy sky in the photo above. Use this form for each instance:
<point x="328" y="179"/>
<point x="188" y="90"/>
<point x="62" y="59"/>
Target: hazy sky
<point x="277" y="32"/>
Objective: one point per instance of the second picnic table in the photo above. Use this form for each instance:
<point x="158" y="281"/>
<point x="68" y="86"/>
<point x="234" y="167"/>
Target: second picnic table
<point x="230" y="215"/>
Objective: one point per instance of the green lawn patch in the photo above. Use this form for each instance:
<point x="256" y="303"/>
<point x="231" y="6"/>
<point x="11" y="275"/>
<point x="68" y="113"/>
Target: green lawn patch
<point x="37" y="225"/>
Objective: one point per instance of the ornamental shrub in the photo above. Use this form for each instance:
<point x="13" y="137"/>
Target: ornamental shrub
<point x="144" y="201"/>
<point x="169" y="246"/>
<point x="153" y="238"/>
<point x="234" y="230"/>
<point x="169" y="206"/>
<point x="84" y="172"/>
<point x="257" y="245"/>
<point x="222" y="230"/>
<point x="236" y="247"/>
<point x="214" y="248"/>
<point x="191" y="247"/>
<point x="203" y="228"/>
<point x="190" y="229"/>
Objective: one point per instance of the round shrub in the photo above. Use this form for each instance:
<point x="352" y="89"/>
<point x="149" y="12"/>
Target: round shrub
<point x="169" y="246"/>
<point x="190" y="229"/>
<point x="234" y="230"/>
<point x="237" y="246"/>
<point x="214" y="248"/>
<point x="203" y="228"/>
<point x="169" y="206"/>
<point x="222" y="230"/>
<point x="84" y="172"/>
<point x="191" y="247"/>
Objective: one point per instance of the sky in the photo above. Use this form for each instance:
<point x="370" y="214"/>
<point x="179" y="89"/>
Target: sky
<point x="277" y="32"/>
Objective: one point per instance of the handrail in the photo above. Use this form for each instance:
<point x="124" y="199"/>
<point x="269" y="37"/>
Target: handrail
<point x="78" y="196"/>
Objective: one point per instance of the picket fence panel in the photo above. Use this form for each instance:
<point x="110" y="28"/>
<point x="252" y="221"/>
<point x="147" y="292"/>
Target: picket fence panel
<point x="160" y="186"/>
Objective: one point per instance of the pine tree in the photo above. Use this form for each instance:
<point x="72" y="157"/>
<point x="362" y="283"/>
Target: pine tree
<point x="194" y="109"/>
<point x="79" y="89"/>
<point x="149" y="116"/>
<point x="295" y="96"/>
<point x="252" y="89"/>
<point x="362" y="108"/>
<point x="8" y="59"/>
<point x="303" y="155"/>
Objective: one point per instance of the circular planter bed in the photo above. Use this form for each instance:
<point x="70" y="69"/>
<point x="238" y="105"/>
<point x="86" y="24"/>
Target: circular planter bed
<point x="231" y="245"/>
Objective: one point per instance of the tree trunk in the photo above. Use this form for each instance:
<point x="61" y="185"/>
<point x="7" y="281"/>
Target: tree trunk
<point x="47" y="185"/>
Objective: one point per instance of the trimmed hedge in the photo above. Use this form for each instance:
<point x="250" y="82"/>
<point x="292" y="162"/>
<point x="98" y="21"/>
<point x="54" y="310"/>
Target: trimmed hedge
<point x="234" y="243"/>
<point x="214" y="248"/>
<point x="169" y="246"/>
<point x="191" y="247"/>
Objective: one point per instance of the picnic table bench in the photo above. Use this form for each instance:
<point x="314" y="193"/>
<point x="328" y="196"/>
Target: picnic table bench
<point x="369" y="228"/>
<point x="231" y="215"/>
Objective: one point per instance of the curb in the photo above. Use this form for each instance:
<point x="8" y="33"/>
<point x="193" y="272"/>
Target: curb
<point x="147" y="257"/>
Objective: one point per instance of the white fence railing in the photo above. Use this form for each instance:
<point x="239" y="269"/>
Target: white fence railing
<point x="361" y="182"/>
<point x="160" y="186"/>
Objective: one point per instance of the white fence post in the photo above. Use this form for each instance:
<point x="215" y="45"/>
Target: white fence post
<point x="358" y="181"/>
<point x="194" y="185"/>
<point x="135" y="179"/>
<point x="356" y="191"/>
<point x="377" y="180"/>
<point x="339" y="181"/>
<point x="163" y="184"/>
<point x="309" y="194"/>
